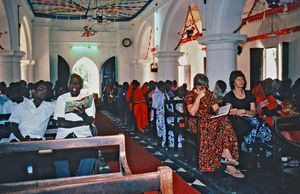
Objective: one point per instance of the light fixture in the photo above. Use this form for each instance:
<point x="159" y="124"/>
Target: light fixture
<point x="272" y="34"/>
<point x="85" y="46"/>
<point x="273" y="3"/>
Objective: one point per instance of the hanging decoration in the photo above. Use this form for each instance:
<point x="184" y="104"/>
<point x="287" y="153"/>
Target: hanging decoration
<point x="149" y="45"/>
<point x="270" y="35"/>
<point x="88" y="31"/>
<point x="112" y="10"/>
<point x="281" y="9"/>
<point x="190" y="30"/>
<point x="1" y="33"/>
<point x="248" y="16"/>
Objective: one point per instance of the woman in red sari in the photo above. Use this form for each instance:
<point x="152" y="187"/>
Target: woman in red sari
<point x="136" y="99"/>
<point x="217" y="139"/>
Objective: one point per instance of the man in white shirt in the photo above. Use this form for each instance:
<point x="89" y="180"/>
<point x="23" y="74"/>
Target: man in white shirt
<point x="15" y="98"/>
<point x="74" y="124"/>
<point x="28" y="122"/>
<point x="30" y="118"/>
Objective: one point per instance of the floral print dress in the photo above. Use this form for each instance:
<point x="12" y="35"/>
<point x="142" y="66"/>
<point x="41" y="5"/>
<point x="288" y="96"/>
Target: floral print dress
<point x="215" y="135"/>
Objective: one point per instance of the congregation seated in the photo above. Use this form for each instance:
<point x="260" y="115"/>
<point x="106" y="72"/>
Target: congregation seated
<point x="15" y="97"/>
<point x="243" y="118"/>
<point x="28" y="122"/>
<point x="217" y="139"/>
<point x="30" y="118"/>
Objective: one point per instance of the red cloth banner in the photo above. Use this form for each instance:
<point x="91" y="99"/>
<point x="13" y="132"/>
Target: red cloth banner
<point x="281" y="9"/>
<point x="278" y="33"/>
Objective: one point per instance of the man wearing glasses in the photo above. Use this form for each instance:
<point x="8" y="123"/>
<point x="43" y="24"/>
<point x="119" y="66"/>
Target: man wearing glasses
<point x="30" y="118"/>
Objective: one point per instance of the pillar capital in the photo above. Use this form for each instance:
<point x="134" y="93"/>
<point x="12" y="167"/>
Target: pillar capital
<point x="12" y="53"/>
<point x="10" y="65"/>
<point x="221" y="55"/>
<point x="141" y="62"/>
<point x="222" y="38"/>
<point x="168" y="54"/>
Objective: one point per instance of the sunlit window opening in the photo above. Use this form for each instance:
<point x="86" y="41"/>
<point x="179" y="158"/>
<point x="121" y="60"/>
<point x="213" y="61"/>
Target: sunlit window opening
<point x="271" y="63"/>
<point x="88" y="70"/>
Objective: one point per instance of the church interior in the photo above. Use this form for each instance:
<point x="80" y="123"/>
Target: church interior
<point x="124" y="52"/>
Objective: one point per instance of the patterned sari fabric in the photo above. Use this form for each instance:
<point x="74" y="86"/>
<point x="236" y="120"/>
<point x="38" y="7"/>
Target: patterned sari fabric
<point x="215" y="135"/>
<point x="260" y="136"/>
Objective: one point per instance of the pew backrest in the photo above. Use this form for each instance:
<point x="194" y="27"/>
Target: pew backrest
<point x="60" y="144"/>
<point x="161" y="180"/>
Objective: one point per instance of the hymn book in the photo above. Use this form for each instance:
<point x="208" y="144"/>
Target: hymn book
<point x="84" y="102"/>
<point x="223" y="110"/>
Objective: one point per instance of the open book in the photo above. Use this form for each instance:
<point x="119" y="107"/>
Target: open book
<point x="84" y="102"/>
<point x="224" y="110"/>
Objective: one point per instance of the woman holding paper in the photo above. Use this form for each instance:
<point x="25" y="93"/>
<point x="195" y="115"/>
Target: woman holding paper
<point x="217" y="139"/>
<point x="254" y="131"/>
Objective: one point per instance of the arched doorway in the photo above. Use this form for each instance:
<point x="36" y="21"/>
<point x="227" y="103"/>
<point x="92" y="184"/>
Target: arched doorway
<point x="88" y="70"/>
<point x="63" y="69"/>
<point x="108" y="72"/>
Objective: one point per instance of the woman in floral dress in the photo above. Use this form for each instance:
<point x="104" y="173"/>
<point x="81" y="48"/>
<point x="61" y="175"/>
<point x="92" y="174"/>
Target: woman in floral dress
<point x="217" y="139"/>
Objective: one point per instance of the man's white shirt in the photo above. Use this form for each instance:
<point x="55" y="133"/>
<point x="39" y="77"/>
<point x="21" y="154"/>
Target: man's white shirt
<point x="81" y="131"/>
<point x="32" y="121"/>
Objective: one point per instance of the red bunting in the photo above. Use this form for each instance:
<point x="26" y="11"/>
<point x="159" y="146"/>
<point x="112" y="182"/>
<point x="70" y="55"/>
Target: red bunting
<point x="190" y="30"/>
<point x="149" y="44"/>
<point x="281" y="9"/>
<point x="269" y="35"/>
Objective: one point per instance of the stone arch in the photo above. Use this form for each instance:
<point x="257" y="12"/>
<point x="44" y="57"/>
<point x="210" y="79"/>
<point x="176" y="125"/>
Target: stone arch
<point x="26" y="47"/>
<point x="27" y="38"/>
<point x="142" y="40"/>
<point x="88" y="70"/>
<point x="173" y="24"/>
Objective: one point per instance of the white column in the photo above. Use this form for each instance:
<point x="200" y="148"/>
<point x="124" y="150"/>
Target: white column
<point x="40" y="44"/>
<point x="27" y="67"/>
<point x="142" y="71"/>
<point x="10" y="65"/>
<point x="168" y="65"/>
<point x="221" y="56"/>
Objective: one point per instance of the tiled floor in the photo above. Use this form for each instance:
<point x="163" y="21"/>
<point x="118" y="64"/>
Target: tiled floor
<point x="255" y="181"/>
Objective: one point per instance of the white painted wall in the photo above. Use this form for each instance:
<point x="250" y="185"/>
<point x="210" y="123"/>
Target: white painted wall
<point x="280" y="21"/>
<point x="5" y="39"/>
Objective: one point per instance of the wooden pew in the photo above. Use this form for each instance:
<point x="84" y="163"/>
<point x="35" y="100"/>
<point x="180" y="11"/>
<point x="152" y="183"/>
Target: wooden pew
<point x="4" y="128"/>
<point x="285" y="147"/>
<point x="178" y="120"/>
<point x="48" y="146"/>
<point x="119" y="182"/>
<point x="161" y="180"/>
<point x="190" y="139"/>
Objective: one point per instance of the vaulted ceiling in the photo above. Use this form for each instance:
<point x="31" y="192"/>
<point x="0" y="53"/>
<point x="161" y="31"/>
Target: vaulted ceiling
<point x="111" y="10"/>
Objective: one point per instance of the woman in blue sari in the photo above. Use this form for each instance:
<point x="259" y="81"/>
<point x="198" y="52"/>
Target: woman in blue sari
<point x="253" y="130"/>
